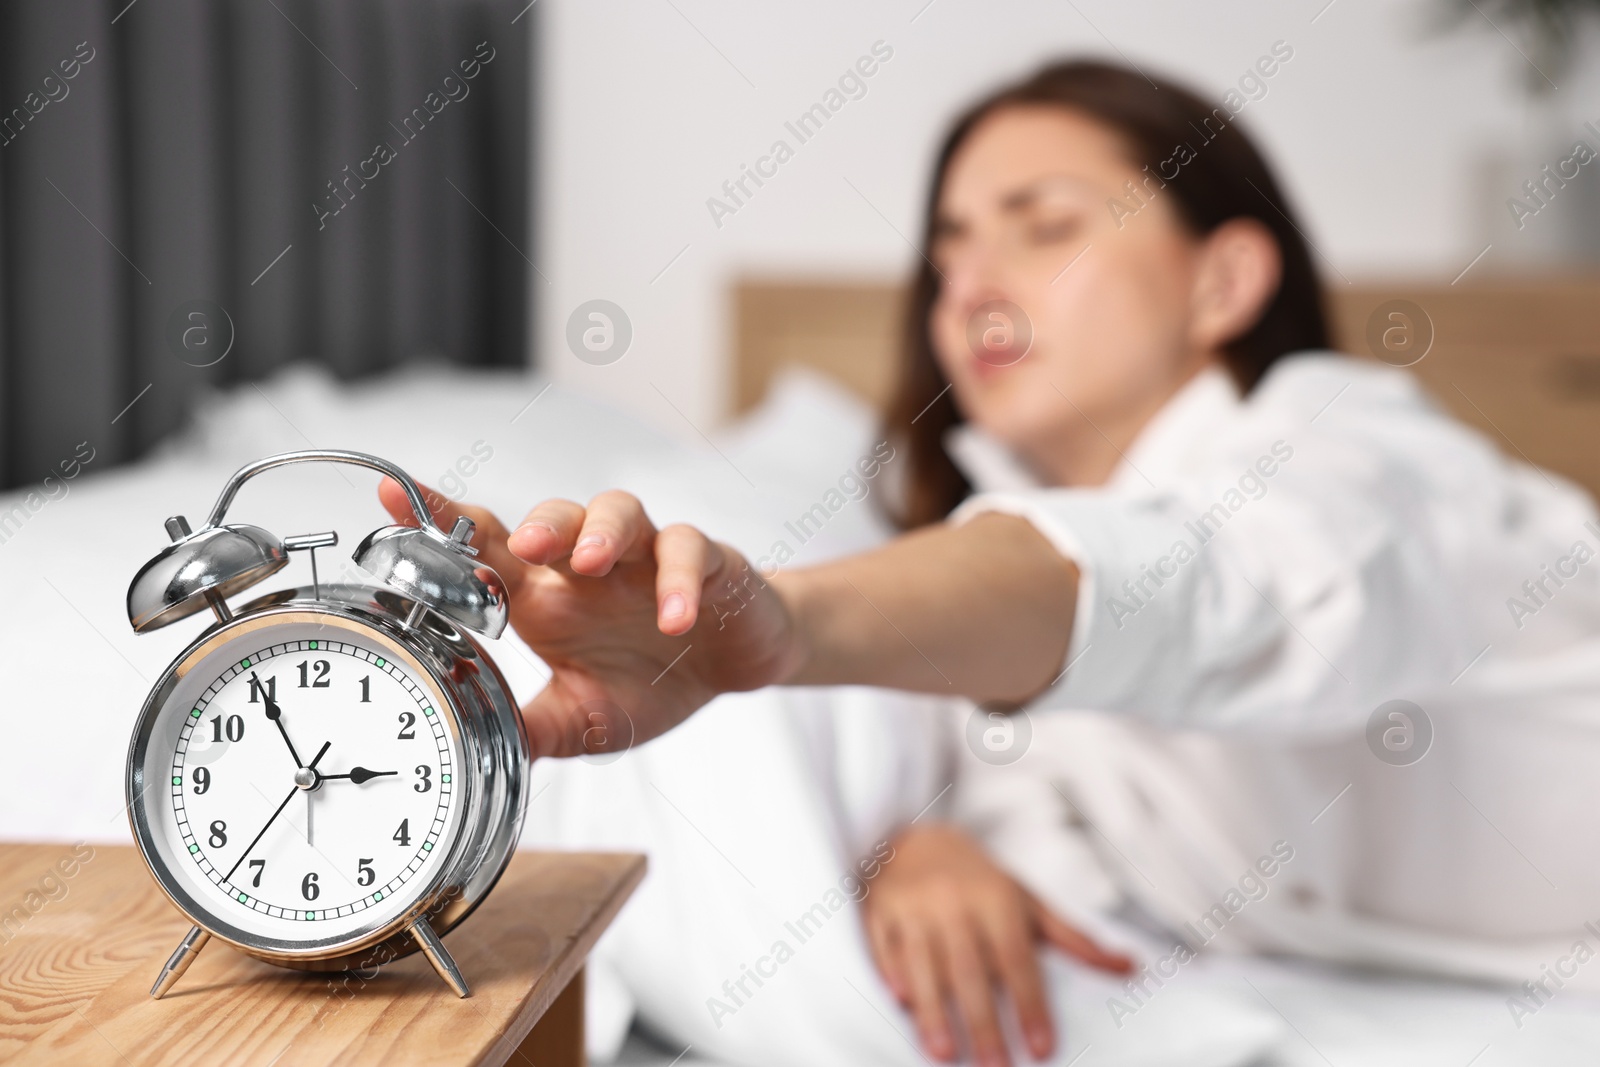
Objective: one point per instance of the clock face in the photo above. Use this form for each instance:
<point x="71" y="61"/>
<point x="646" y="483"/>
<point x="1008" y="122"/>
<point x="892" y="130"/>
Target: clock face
<point x="301" y="782"/>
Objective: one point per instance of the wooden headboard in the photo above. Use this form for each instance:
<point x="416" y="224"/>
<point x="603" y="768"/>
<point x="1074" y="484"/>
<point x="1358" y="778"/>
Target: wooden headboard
<point x="1518" y="358"/>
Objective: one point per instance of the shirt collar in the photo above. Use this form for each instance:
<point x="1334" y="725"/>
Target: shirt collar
<point x="1201" y="404"/>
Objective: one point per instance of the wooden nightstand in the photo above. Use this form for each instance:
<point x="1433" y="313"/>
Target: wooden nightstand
<point x="78" y="954"/>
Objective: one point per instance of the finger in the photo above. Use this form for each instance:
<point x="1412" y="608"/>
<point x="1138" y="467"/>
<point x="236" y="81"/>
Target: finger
<point x="682" y="555"/>
<point x="489" y="537"/>
<point x="885" y="948"/>
<point x="926" y="985"/>
<point x="394" y="498"/>
<point x="614" y="527"/>
<point x="1068" y="939"/>
<point x="1010" y="945"/>
<point x="974" y="991"/>
<point x="547" y="533"/>
<point x="554" y="724"/>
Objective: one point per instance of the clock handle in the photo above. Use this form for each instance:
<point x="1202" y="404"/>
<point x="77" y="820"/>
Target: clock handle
<point x="325" y="455"/>
<point x="180" y="959"/>
<point x="439" y="956"/>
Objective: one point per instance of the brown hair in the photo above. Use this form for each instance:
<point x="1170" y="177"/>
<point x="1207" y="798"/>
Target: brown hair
<point x="1226" y="178"/>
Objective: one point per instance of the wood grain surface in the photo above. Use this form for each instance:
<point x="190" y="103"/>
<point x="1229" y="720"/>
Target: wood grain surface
<point x="84" y="931"/>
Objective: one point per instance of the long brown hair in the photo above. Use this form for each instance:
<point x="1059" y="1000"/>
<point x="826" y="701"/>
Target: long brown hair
<point x="1227" y="178"/>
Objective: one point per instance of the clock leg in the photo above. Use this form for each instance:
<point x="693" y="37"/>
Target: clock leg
<point x="179" y="962"/>
<point x="439" y="956"/>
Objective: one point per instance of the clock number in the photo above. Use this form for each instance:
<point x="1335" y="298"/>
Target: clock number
<point x="202" y="779"/>
<point x="233" y="728"/>
<point x="403" y="835"/>
<point x="321" y="681"/>
<point x="424" y="778"/>
<point x="309" y="888"/>
<point x="366" y="690"/>
<point x="407" y="721"/>
<point x="219" y="834"/>
<point x="364" y="874"/>
<point x="270" y="685"/>
<point x="259" y="865"/>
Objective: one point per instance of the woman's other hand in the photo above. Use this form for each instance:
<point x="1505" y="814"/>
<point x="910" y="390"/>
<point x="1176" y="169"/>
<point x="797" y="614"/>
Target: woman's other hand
<point x="948" y="925"/>
<point x="654" y="622"/>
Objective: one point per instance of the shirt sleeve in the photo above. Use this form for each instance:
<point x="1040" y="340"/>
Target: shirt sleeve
<point x="1297" y="602"/>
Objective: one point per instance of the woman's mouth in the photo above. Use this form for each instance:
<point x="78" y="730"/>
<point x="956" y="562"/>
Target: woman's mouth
<point x="990" y="365"/>
<point x="999" y="334"/>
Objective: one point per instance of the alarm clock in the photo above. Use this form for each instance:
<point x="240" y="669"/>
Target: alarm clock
<point x="330" y="776"/>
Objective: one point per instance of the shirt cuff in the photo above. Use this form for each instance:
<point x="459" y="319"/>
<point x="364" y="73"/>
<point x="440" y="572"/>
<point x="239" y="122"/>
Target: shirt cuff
<point x="1128" y="618"/>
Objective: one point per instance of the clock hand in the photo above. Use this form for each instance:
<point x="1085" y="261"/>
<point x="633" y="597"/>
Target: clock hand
<point x="311" y="794"/>
<point x="275" y="714"/>
<point x="229" y="876"/>
<point x="313" y="766"/>
<point x="358" y="775"/>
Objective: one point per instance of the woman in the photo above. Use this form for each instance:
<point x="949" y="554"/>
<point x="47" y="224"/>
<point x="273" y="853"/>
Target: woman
<point x="1203" y="522"/>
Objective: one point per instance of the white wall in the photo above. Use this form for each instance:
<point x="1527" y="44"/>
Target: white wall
<point x="1377" y="127"/>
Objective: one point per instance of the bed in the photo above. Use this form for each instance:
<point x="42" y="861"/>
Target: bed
<point x="812" y="362"/>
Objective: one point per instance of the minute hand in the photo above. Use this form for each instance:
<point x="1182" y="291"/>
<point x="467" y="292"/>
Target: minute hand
<point x="275" y="713"/>
<point x="229" y="876"/>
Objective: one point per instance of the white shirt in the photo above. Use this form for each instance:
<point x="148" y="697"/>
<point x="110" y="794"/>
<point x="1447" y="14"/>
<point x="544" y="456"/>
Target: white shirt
<point x="1259" y="576"/>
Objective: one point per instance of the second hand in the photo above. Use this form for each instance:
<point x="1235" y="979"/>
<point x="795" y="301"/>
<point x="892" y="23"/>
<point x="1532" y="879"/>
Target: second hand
<point x="313" y="765"/>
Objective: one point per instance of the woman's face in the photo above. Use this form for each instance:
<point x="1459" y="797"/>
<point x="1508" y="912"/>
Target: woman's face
<point x="1025" y="222"/>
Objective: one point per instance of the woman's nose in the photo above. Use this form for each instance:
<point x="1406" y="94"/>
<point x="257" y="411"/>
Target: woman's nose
<point x="975" y="276"/>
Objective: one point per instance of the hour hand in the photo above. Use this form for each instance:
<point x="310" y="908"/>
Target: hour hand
<point x="358" y="775"/>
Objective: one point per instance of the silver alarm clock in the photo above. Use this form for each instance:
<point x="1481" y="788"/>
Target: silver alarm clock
<point x="330" y="776"/>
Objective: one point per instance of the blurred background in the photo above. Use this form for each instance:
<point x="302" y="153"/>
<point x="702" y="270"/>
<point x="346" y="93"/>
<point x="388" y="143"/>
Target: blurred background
<point x="189" y="197"/>
<point x="188" y="210"/>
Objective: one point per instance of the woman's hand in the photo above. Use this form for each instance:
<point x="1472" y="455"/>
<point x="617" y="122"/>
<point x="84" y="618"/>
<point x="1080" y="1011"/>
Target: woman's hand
<point x="654" y="622"/>
<point x="946" y="924"/>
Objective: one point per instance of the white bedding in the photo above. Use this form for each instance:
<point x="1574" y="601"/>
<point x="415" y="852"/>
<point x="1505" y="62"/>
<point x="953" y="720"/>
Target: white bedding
<point x="750" y="813"/>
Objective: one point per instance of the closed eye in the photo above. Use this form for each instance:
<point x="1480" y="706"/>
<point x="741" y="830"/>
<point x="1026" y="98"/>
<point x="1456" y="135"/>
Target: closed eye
<point x="1051" y="231"/>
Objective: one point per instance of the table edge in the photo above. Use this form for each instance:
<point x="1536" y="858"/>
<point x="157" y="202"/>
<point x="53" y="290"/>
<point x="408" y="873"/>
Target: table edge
<point x="566" y="965"/>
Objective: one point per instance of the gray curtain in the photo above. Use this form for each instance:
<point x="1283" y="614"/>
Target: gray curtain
<point x="194" y="193"/>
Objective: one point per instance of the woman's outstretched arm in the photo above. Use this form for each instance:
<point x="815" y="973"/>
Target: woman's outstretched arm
<point x="983" y="609"/>
<point x="652" y="623"/>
